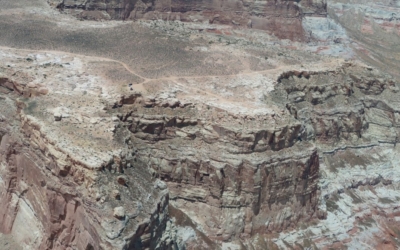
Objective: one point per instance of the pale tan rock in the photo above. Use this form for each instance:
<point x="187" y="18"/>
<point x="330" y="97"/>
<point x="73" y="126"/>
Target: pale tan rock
<point x="57" y="116"/>
<point x="119" y="213"/>
<point x="116" y="194"/>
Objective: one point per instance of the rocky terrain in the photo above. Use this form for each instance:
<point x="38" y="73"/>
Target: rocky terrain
<point x="374" y="28"/>
<point x="192" y="127"/>
<point x="281" y="18"/>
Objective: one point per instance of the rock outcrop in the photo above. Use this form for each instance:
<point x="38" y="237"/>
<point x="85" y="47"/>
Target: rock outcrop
<point x="374" y="28"/>
<point x="52" y="199"/>
<point x="281" y="18"/>
<point x="223" y="175"/>
<point x="351" y="106"/>
<point x="233" y="181"/>
<point x="240" y="180"/>
<point x="191" y="136"/>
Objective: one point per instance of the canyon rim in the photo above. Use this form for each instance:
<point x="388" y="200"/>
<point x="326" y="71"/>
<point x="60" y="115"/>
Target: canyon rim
<point x="168" y="124"/>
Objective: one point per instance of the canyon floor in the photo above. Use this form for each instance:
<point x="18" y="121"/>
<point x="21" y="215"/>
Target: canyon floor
<point x="154" y="134"/>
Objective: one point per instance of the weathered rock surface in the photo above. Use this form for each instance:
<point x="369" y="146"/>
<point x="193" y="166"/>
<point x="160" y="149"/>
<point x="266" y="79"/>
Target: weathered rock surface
<point x="374" y="28"/>
<point x="55" y="199"/>
<point x="170" y="135"/>
<point x="282" y="18"/>
<point x="226" y="178"/>
<point x="8" y="243"/>
<point x="242" y="182"/>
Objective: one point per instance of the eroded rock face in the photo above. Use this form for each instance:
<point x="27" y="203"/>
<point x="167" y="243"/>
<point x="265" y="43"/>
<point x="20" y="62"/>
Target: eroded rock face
<point x="219" y="141"/>
<point x="282" y="18"/>
<point x="336" y="108"/>
<point x="224" y="175"/>
<point x="374" y="27"/>
<point x="244" y="182"/>
<point x="53" y="200"/>
<point x="236" y="180"/>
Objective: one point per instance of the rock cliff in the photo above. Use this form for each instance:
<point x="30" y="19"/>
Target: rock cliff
<point x="177" y="135"/>
<point x="281" y="18"/>
<point x="53" y="198"/>
<point x="235" y="180"/>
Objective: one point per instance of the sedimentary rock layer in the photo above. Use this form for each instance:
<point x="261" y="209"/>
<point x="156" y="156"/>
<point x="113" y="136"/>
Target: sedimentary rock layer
<point x="52" y="199"/>
<point x="234" y="182"/>
<point x="282" y="18"/>
<point x="166" y="135"/>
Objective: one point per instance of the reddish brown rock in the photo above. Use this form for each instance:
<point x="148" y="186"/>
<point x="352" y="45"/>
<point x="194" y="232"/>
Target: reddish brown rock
<point x="281" y="18"/>
<point x="44" y="192"/>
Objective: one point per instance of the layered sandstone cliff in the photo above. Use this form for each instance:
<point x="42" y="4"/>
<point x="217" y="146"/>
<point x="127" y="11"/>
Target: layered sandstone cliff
<point x="83" y="157"/>
<point x="168" y="135"/>
<point x="59" y="190"/>
<point x="282" y="18"/>
<point x="239" y="177"/>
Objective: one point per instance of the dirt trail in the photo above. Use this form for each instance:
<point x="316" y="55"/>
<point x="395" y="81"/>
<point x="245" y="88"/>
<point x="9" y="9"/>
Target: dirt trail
<point x="177" y="80"/>
<point x="104" y="59"/>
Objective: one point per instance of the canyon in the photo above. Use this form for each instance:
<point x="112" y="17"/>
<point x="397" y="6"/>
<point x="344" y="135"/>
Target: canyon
<point x="199" y="125"/>
<point x="281" y="18"/>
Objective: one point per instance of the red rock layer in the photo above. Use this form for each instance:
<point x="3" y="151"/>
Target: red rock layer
<point x="281" y="18"/>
